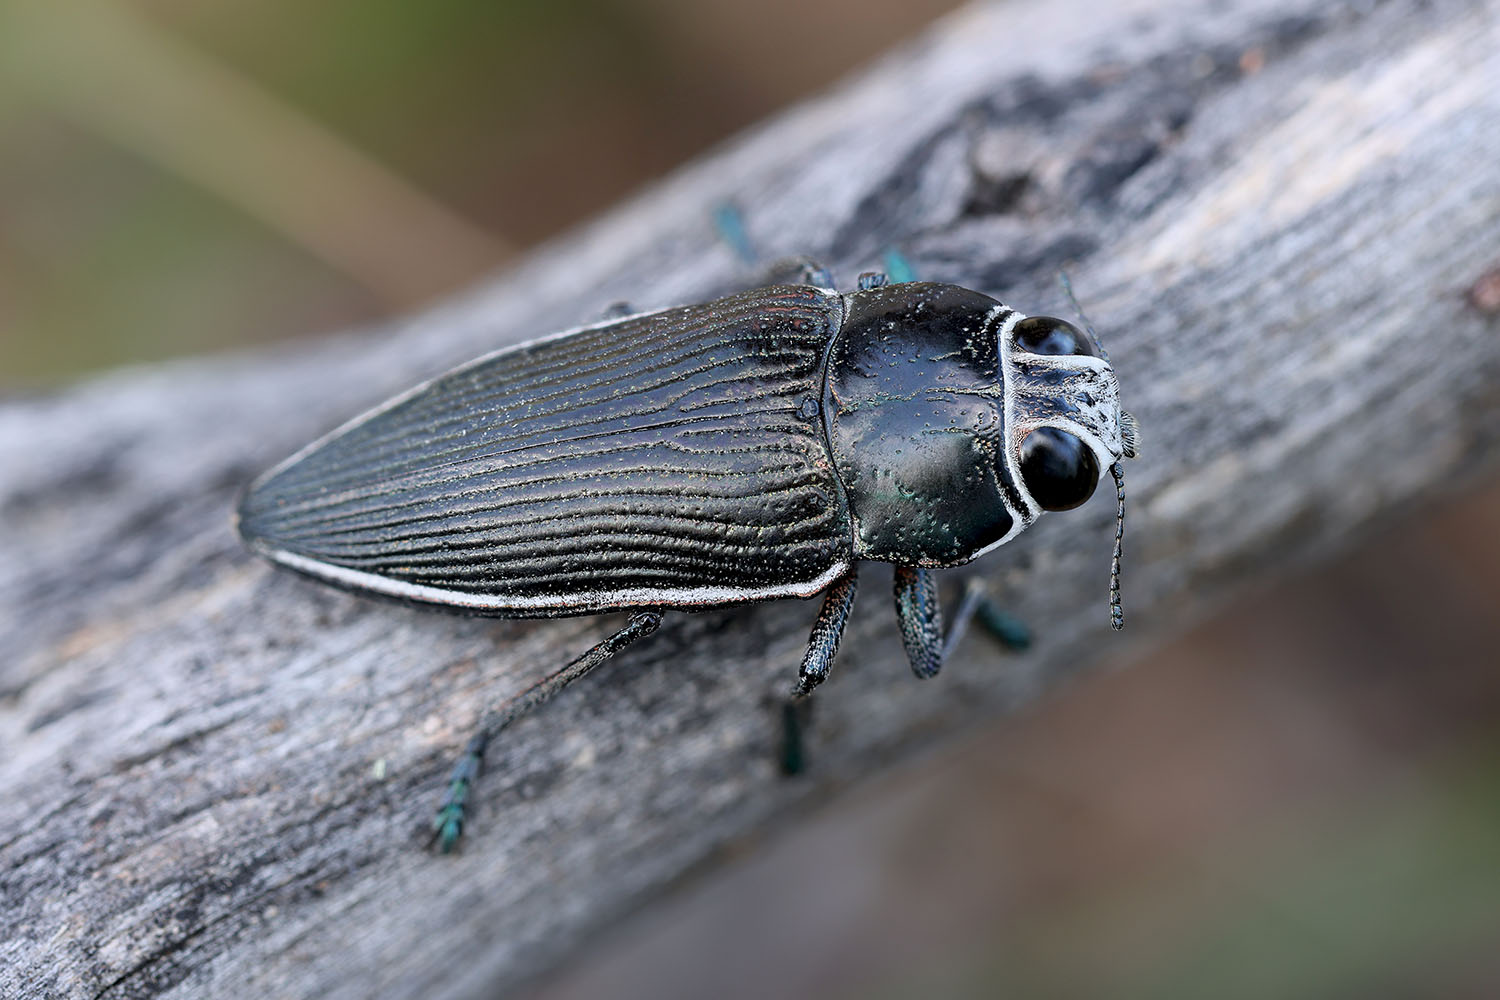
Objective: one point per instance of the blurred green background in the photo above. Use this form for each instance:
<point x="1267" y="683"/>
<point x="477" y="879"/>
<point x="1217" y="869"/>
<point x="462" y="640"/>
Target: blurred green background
<point x="178" y="176"/>
<point x="1301" y="799"/>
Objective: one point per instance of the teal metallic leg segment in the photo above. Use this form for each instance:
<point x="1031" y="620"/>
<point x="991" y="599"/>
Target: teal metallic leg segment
<point x="897" y="268"/>
<point x="448" y="824"/>
<point x="1008" y="630"/>
<point x="730" y="223"/>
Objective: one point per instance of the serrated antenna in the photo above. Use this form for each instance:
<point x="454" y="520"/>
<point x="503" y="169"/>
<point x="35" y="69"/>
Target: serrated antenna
<point x="1116" y="612"/>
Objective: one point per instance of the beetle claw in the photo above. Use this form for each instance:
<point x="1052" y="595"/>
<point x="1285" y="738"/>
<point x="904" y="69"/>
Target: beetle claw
<point x="447" y="827"/>
<point x="448" y="821"/>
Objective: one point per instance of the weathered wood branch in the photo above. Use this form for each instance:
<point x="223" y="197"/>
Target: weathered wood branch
<point x="214" y="774"/>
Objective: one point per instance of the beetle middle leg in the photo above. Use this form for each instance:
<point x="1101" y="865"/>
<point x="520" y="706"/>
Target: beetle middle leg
<point x="448" y="824"/>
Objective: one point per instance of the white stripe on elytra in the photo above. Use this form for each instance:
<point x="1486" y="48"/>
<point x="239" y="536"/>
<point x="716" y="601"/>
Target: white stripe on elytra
<point x="641" y="597"/>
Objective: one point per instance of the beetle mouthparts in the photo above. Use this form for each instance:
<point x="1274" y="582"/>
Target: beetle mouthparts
<point x="1130" y="434"/>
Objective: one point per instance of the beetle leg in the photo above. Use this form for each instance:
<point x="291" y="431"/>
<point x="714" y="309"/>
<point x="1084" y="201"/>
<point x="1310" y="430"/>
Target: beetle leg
<point x="796" y="271"/>
<point x="730" y="223"/>
<point x="448" y="824"/>
<point x="795" y="716"/>
<point x="618" y="310"/>
<point x="1009" y="631"/>
<point x="921" y="619"/>
<point x="898" y="269"/>
<point x="824" y="641"/>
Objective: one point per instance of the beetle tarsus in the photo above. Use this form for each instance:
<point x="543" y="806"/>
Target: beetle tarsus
<point x="898" y="269"/>
<point x="1007" y="629"/>
<point x="448" y="823"/>
<point x="795" y="714"/>
<point x="826" y="632"/>
<point x="729" y="222"/>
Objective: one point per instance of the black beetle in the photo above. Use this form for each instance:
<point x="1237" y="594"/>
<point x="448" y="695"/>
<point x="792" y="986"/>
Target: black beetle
<point x="747" y="449"/>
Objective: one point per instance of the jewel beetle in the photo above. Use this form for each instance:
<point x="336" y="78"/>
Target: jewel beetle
<point x="746" y="449"/>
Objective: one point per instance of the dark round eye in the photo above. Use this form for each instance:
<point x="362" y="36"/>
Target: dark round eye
<point x="1050" y="335"/>
<point x="1059" y="470"/>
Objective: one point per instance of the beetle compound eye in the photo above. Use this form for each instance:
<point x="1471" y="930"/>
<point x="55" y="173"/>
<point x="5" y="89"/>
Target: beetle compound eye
<point x="1059" y="470"/>
<point x="1050" y="335"/>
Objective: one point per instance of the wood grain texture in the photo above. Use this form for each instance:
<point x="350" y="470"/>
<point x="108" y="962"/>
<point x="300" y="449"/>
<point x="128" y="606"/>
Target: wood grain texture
<point x="213" y="773"/>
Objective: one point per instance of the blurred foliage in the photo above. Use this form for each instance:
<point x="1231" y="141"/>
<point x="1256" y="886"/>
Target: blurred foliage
<point x="1395" y="896"/>
<point x="179" y="176"/>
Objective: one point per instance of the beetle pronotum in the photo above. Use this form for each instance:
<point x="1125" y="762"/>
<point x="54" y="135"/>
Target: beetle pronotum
<point x="747" y="449"/>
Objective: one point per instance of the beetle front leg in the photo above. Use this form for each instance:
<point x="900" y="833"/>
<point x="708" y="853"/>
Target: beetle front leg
<point x="448" y="824"/>
<point x="827" y="630"/>
<point x="921" y="618"/>
<point x="1008" y="630"/>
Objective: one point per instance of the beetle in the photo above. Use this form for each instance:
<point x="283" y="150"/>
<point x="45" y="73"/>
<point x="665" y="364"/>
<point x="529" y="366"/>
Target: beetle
<point x="746" y="449"/>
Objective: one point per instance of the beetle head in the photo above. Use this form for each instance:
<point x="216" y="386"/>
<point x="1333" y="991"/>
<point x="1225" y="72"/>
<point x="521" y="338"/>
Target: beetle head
<point x="1064" y="421"/>
<point x="1063" y="402"/>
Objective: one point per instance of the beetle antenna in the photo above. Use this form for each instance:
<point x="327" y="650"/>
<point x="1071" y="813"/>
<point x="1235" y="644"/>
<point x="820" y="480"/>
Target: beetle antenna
<point x="1067" y="286"/>
<point x="1116" y="613"/>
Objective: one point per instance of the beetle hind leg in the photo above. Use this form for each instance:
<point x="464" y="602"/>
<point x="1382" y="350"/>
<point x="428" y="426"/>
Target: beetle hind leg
<point x="448" y="823"/>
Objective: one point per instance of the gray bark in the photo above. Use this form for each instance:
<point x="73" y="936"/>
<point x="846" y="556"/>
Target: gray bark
<point x="216" y="776"/>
